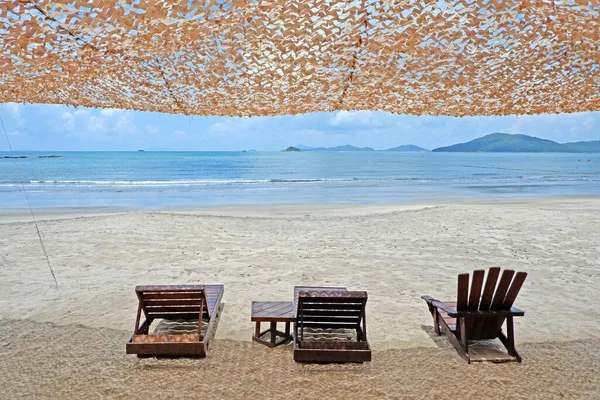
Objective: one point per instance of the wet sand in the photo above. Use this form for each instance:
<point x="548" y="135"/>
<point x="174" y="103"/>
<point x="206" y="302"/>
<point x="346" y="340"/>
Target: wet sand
<point x="49" y="362"/>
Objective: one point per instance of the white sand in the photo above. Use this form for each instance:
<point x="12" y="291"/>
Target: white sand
<point x="395" y="252"/>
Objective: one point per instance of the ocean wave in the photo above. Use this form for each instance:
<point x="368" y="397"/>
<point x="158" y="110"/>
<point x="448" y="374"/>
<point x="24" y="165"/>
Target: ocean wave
<point x="183" y="182"/>
<point x="200" y="184"/>
<point x="179" y="182"/>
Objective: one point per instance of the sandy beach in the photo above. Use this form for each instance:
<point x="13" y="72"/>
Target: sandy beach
<point x="73" y="344"/>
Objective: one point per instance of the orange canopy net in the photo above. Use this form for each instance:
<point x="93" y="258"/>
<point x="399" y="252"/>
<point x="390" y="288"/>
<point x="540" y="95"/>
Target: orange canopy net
<point x="243" y="58"/>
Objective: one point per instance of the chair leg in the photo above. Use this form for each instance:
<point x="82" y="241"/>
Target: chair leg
<point x="436" y="323"/>
<point x="509" y="340"/>
<point x="510" y="331"/>
<point x="454" y="339"/>
<point x="463" y="334"/>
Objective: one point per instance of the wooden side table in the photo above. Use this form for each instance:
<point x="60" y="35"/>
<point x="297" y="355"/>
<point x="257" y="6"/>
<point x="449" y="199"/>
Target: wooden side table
<point x="272" y="312"/>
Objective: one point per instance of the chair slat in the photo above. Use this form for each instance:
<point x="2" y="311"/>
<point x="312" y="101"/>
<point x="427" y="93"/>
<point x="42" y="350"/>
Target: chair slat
<point x="171" y="295"/>
<point x="169" y="288"/>
<point x="332" y="306"/>
<point x="462" y="292"/>
<point x="330" y="318"/>
<point x="328" y="325"/>
<point x="476" y="286"/>
<point x="173" y="309"/>
<point x="172" y="315"/>
<point x="335" y="345"/>
<point x="490" y="287"/>
<point x="502" y="288"/>
<point x="315" y="299"/>
<point x="346" y="313"/>
<point x="515" y="287"/>
<point x="175" y="302"/>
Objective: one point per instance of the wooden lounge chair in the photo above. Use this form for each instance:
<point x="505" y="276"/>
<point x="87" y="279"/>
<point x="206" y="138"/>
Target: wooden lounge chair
<point x="480" y="314"/>
<point x="338" y="311"/>
<point x="191" y="303"/>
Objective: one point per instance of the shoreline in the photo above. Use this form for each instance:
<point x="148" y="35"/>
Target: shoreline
<point x="10" y="215"/>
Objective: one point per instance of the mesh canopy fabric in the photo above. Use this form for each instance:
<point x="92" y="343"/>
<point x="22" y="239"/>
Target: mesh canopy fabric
<point x="245" y="58"/>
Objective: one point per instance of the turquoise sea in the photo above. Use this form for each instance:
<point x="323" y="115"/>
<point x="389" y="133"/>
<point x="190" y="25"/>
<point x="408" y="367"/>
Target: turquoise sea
<point x="148" y="180"/>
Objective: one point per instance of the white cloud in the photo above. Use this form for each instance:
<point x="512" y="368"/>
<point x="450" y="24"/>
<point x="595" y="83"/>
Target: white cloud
<point x="152" y="129"/>
<point x="111" y="111"/>
<point x="220" y="127"/>
<point x="68" y="121"/>
<point x="181" y="135"/>
<point x="362" y="118"/>
<point x="558" y="127"/>
<point x="13" y="133"/>
<point x="589" y="122"/>
<point x="574" y="131"/>
<point x="311" y="132"/>
<point x="14" y="110"/>
<point x="125" y="124"/>
<point x="236" y="124"/>
<point x="107" y="122"/>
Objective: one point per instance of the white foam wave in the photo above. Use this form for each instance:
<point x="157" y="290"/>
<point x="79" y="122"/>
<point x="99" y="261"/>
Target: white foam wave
<point x="167" y="183"/>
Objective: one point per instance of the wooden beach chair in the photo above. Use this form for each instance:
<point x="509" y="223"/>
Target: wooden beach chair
<point x="196" y="304"/>
<point x="479" y="314"/>
<point x="338" y="313"/>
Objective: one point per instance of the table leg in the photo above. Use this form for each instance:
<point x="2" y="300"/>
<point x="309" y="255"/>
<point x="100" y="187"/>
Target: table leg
<point x="273" y="331"/>
<point x="273" y="334"/>
<point x="287" y="330"/>
<point x="257" y="330"/>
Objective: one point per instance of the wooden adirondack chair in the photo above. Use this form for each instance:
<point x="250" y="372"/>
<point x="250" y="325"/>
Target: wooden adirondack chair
<point x="331" y="310"/>
<point x="480" y="313"/>
<point x="197" y="303"/>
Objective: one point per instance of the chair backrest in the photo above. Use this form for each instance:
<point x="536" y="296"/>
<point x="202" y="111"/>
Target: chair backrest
<point x="491" y="296"/>
<point x="331" y="309"/>
<point x="494" y="295"/>
<point x="173" y="301"/>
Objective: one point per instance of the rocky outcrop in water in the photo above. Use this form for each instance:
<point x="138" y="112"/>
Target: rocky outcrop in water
<point x="15" y="157"/>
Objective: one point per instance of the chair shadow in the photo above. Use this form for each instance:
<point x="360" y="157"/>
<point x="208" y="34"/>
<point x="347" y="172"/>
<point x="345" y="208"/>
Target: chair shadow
<point x="481" y="350"/>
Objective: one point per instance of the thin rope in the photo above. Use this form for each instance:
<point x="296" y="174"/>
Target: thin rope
<point x="31" y="210"/>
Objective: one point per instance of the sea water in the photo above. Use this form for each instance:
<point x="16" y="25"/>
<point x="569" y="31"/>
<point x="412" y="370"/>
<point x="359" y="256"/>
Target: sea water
<point x="149" y="180"/>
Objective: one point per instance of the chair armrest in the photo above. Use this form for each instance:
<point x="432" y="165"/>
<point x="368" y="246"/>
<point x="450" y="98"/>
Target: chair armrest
<point x="452" y="312"/>
<point x="438" y="304"/>
<point x="513" y="312"/>
<point x="517" y="312"/>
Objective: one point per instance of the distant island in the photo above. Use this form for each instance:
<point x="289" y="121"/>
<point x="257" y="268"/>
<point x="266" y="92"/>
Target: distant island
<point x="492" y="143"/>
<point x="508" y="143"/>
<point x="408" y="148"/>
<point x="16" y="157"/>
<point x="347" y="147"/>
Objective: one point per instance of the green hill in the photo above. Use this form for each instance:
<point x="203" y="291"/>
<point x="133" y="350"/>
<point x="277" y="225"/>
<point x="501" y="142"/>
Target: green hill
<point x="346" y="147"/>
<point x="407" y="148"/>
<point x="584" y="147"/>
<point x="507" y="143"/>
<point x="291" y="148"/>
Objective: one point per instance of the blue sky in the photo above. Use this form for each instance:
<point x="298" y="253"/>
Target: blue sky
<point x="51" y="127"/>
